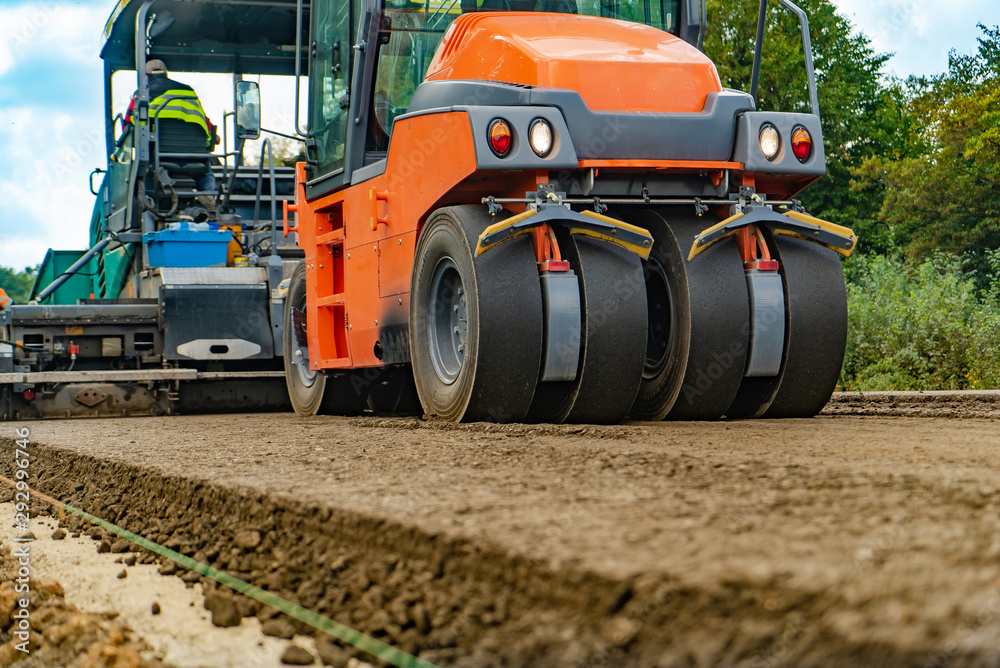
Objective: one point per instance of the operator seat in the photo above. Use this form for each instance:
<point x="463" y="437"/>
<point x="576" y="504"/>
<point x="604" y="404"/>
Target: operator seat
<point x="180" y="137"/>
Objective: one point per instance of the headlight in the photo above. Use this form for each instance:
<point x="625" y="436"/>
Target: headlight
<point x="540" y="137"/>
<point x="770" y="141"/>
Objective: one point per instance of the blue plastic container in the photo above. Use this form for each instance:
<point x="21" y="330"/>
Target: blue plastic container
<point x="184" y="245"/>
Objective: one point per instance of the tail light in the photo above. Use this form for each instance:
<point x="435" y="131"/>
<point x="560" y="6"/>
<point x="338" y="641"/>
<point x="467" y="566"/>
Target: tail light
<point x="802" y="143"/>
<point x="500" y="137"/>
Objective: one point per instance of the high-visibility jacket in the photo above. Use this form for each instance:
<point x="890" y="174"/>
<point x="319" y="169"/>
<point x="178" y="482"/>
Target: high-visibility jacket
<point x="187" y="107"/>
<point x="5" y="300"/>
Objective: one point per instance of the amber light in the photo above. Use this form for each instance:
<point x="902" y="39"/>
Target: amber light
<point x="500" y="137"/>
<point x="802" y="143"/>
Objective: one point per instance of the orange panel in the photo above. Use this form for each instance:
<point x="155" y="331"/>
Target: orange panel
<point x="428" y="157"/>
<point x="614" y="65"/>
<point x="396" y="264"/>
<point x="362" y="302"/>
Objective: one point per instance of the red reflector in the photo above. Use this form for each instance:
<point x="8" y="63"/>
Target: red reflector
<point x="552" y="265"/>
<point x="500" y="137"/>
<point x="29" y="395"/>
<point x="801" y="143"/>
<point x="762" y="265"/>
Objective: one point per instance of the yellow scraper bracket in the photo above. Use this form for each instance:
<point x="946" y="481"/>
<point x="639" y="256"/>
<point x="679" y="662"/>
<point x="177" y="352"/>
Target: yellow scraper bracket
<point x="792" y="223"/>
<point x="587" y="223"/>
<point x="505" y="230"/>
<point x="629" y="237"/>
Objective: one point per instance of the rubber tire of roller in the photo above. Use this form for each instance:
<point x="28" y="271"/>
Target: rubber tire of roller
<point x="328" y="394"/>
<point x="710" y="315"/>
<point x="816" y="338"/>
<point x="613" y="340"/>
<point x="502" y="353"/>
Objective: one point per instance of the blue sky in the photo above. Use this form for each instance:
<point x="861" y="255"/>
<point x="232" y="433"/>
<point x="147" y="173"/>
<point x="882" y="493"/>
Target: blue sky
<point x="51" y="120"/>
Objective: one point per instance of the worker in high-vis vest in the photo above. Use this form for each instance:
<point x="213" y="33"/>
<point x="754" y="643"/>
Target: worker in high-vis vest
<point x="184" y="106"/>
<point x="5" y="300"/>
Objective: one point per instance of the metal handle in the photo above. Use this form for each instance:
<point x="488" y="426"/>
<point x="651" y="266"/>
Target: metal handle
<point x="142" y="99"/>
<point x="96" y="171"/>
<point x="374" y="197"/>
<point x="806" y="48"/>
<point x="288" y="207"/>
<point x="266" y="150"/>
<point x="366" y="27"/>
<point x="298" y="66"/>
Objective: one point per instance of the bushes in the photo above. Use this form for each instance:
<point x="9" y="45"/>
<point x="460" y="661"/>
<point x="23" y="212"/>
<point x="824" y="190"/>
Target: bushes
<point x="920" y="327"/>
<point x="18" y="284"/>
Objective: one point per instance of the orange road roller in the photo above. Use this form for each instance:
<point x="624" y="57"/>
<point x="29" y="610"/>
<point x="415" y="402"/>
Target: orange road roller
<point x="553" y="211"/>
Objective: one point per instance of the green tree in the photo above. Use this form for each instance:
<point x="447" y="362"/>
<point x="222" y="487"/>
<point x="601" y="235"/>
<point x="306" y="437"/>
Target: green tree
<point x="18" y="284"/>
<point x="862" y="114"/>
<point x="941" y="194"/>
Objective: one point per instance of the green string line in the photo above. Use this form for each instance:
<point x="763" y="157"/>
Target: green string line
<point x="346" y="634"/>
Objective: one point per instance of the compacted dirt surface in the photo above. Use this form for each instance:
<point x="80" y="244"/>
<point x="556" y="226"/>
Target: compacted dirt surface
<point x="846" y="539"/>
<point x="939" y="403"/>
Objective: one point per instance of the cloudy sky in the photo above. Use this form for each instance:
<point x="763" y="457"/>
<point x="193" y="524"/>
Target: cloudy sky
<point x="51" y="117"/>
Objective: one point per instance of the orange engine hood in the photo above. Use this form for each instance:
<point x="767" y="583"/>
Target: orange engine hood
<point x="613" y="65"/>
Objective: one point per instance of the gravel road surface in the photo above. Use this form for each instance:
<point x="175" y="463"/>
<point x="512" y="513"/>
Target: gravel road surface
<point x="837" y="540"/>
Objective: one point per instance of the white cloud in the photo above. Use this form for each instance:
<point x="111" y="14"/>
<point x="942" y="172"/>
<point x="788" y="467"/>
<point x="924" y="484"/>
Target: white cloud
<point x="921" y="32"/>
<point x="45" y="200"/>
<point x="51" y="30"/>
<point x="48" y="150"/>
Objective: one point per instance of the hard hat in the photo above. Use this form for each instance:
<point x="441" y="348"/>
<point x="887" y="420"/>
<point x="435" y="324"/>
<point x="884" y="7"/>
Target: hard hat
<point x="156" y="66"/>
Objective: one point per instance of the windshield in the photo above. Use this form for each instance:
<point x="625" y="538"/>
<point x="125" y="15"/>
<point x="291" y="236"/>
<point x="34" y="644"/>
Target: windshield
<point x="436" y="15"/>
<point x="416" y="31"/>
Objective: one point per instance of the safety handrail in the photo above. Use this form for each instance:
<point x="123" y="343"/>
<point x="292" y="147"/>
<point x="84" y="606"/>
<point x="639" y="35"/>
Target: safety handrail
<point x="266" y="148"/>
<point x="298" y="66"/>
<point x="806" y="48"/>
